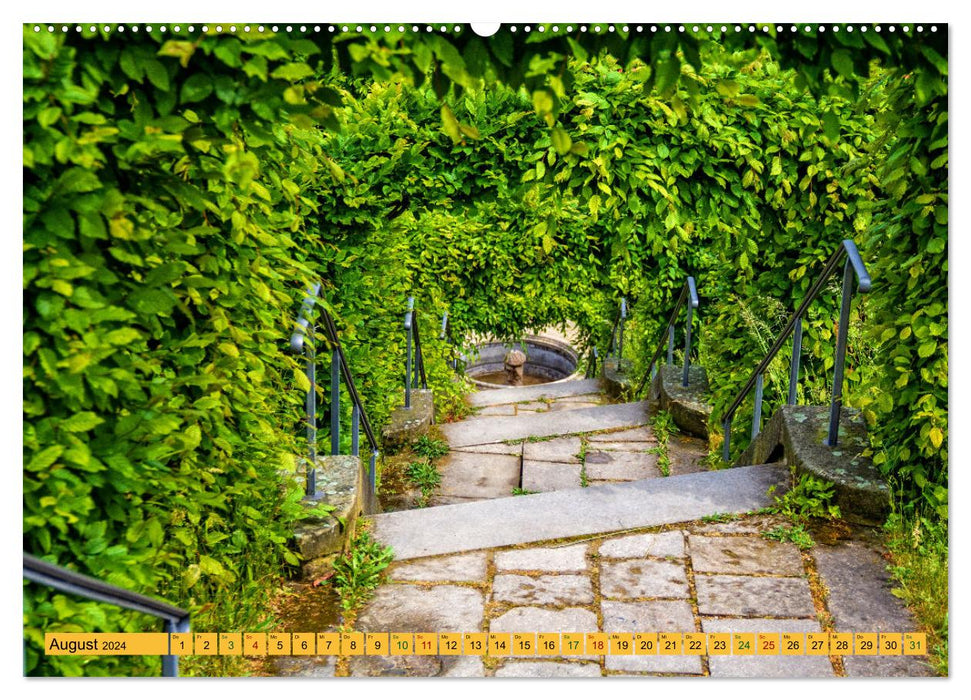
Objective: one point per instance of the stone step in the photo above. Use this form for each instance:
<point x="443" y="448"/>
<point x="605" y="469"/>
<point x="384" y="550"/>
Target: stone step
<point x="534" y="392"/>
<point x="494" y="429"/>
<point x="576" y="512"/>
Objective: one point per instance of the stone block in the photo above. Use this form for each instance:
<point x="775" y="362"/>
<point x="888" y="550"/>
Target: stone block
<point x="547" y="669"/>
<point x="406" y="425"/>
<point x="556" y="559"/>
<point x="744" y="555"/>
<point x="617" y="377"/>
<point x="553" y="590"/>
<point x="655" y="544"/>
<point x="550" y="476"/>
<point x="620" y="466"/>
<point x="643" y="578"/>
<point x="340" y="484"/>
<point x="750" y="596"/>
<point x="413" y="608"/>
<point x="688" y="405"/>
<point x="458" y="567"/>
<point x="798" y="432"/>
<point x="564" y="449"/>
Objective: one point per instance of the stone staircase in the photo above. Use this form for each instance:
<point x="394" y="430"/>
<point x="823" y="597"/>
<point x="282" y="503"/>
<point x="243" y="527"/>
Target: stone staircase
<point x="583" y="467"/>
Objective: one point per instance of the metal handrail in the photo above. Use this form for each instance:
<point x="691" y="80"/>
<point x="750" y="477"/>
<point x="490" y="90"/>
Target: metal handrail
<point x="338" y="368"/>
<point x="617" y="338"/>
<point x="414" y="379"/>
<point x="592" y="360"/>
<point x="67" y="581"/>
<point x="853" y="266"/>
<point x="689" y="299"/>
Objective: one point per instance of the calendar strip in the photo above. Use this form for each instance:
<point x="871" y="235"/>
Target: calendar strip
<point x="496" y="644"/>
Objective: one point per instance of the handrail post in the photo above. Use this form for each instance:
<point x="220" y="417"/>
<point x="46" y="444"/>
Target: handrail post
<point x="335" y="402"/>
<point x="311" y="403"/>
<point x="836" y="403"/>
<point x="620" y="344"/>
<point x="372" y="483"/>
<point x="670" y="344"/>
<point x="298" y="343"/>
<point x="726" y="445"/>
<point x="355" y="430"/>
<point x="408" y="325"/>
<point x="170" y="662"/>
<point x="687" y="347"/>
<point x="794" y="366"/>
<point x="757" y="413"/>
<point x="441" y="335"/>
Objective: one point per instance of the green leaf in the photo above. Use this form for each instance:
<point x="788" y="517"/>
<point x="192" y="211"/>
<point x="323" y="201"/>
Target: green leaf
<point x="543" y="102"/>
<point x="197" y="87"/>
<point x="927" y="349"/>
<point x="668" y="74"/>
<point x="450" y="125"/>
<point x="561" y="141"/>
<point x="182" y="50"/>
<point x="292" y="72"/>
<point x="727" y="88"/>
<point x="81" y="422"/>
<point x="157" y="74"/>
<point x="842" y="61"/>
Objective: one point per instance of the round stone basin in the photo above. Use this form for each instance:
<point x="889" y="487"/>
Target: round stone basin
<point x="547" y="361"/>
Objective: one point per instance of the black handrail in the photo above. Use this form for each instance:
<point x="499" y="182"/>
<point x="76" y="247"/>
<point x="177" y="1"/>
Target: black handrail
<point x="67" y="581"/>
<point x="853" y="266"/>
<point x="413" y="379"/>
<point x="338" y="368"/>
<point x="689" y="298"/>
<point x="593" y="358"/>
<point x="617" y="338"/>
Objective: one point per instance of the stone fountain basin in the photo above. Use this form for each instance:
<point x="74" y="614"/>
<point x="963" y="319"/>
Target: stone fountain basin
<point x="547" y="361"/>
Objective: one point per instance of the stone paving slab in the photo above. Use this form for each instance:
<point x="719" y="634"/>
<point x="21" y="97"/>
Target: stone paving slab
<point x="658" y="544"/>
<point x="564" y="449"/>
<point x="757" y="666"/>
<point x="621" y="466"/>
<point x="744" y="555"/>
<point x="501" y="410"/>
<point x="598" y="509"/>
<point x="750" y="596"/>
<point x="550" y="476"/>
<point x="753" y="525"/>
<point x="463" y="667"/>
<point x="639" y="434"/>
<point x="594" y="398"/>
<point x="656" y="616"/>
<point x="497" y="448"/>
<point x="860" y="600"/>
<point x="459" y="567"/>
<point x="643" y="578"/>
<point x="480" y="431"/>
<point x="531" y="407"/>
<point x="556" y="590"/>
<point x="547" y="669"/>
<point x="478" y="476"/>
<point x="445" y="608"/>
<point x="559" y="559"/>
<point x="641" y="447"/>
<point x="492" y="397"/>
<point x="304" y="666"/>
<point x="573" y="405"/>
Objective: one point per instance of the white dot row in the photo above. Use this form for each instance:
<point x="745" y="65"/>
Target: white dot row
<point x="555" y="29"/>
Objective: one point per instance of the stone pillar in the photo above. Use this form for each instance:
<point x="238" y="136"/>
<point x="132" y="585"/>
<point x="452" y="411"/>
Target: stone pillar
<point x="513" y="364"/>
